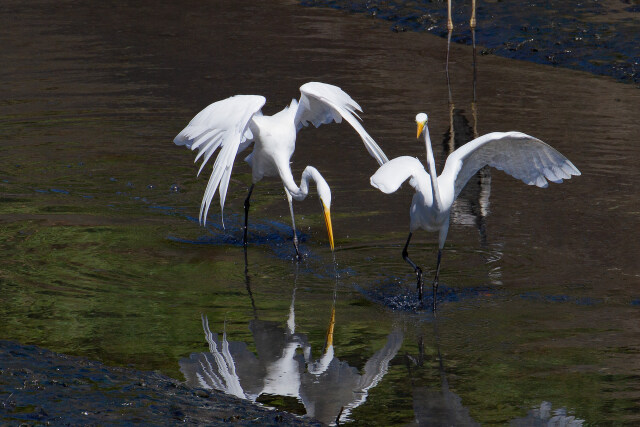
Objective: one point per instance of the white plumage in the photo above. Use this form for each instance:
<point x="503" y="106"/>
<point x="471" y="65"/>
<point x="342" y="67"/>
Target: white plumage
<point x="235" y="123"/>
<point x="521" y="156"/>
<point x="222" y="124"/>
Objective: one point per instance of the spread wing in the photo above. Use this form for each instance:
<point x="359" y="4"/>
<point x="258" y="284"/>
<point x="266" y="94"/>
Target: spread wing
<point x="222" y="124"/>
<point x="322" y="103"/>
<point x="521" y="156"/>
<point x="390" y="176"/>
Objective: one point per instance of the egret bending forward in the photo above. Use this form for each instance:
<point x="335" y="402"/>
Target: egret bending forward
<point x="520" y="155"/>
<point x="237" y="122"/>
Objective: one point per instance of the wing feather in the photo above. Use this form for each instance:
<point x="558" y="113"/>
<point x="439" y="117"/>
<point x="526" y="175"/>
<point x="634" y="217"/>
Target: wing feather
<point x="211" y="146"/>
<point x="202" y="143"/>
<point x="390" y="176"/>
<point x="517" y="154"/>
<point x="322" y="103"/>
<point x="221" y="124"/>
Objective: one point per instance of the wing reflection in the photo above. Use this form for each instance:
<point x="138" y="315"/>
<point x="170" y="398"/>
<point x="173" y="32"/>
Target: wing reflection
<point x="443" y="407"/>
<point x="545" y="416"/>
<point x="328" y="388"/>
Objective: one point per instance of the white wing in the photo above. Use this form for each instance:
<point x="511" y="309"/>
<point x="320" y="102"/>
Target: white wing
<point x="322" y="103"/>
<point x="392" y="174"/>
<point x="374" y="370"/>
<point x="222" y="124"/>
<point x="216" y="369"/>
<point x="521" y="156"/>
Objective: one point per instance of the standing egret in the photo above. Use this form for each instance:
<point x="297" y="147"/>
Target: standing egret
<point x="237" y="122"/>
<point x="520" y="155"/>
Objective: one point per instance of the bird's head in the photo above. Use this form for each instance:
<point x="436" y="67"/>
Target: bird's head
<point x="421" y="121"/>
<point x="324" y="193"/>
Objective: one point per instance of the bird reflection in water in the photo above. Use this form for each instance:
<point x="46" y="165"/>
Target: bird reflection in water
<point x="433" y="407"/>
<point x="472" y="204"/>
<point x="472" y="27"/>
<point x="544" y="415"/>
<point x="443" y="407"/>
<point x="471" y="207"/>
<point x="328" y="388"/>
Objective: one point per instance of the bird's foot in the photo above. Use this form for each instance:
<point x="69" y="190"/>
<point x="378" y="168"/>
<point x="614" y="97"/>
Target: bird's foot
<point x="297" y="248"/>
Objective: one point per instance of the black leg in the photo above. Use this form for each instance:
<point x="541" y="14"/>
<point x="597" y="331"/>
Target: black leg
<point x="405" y="256"/>
<point x="435" y="281"/>
<point x="247" y="204"/>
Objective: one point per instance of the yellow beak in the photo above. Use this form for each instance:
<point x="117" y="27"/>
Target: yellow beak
<point x="327" y="221"/>
<point x="420" y="127"/>
<point x="329" y="341"/>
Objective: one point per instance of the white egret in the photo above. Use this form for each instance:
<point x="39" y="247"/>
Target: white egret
<point x="521" y="156"/>
<point x="235" y="123"/>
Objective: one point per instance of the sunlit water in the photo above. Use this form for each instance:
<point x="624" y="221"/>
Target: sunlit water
<point x="102" y="254"/>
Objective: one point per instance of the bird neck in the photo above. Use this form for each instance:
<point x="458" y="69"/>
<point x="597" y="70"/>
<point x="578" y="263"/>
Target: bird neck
<point x="300" y="192"/>
<point x="431" y="164"/>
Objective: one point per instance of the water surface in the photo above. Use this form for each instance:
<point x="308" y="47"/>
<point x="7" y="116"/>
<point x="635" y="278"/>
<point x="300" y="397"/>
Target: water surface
<point x="102" y="254"/>
<point x="602" y="37"/>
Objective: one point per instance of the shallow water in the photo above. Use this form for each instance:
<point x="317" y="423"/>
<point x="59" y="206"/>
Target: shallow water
<point x="102" y="254"/>
<point x="602" y="37"/>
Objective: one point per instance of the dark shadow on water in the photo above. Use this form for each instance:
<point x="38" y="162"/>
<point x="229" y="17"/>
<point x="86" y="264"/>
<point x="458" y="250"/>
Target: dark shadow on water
<point x="274" y="234"/>
<point x="399" y="297"/>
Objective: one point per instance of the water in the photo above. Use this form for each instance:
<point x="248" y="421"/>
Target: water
<point x="601" y="37"/>
<point x="102" y="257"/>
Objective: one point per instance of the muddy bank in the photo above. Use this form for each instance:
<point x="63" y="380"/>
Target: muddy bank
<point x="101" y="259"/>
<point x="38" y="386"/>
<point x="601" y="37"/>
